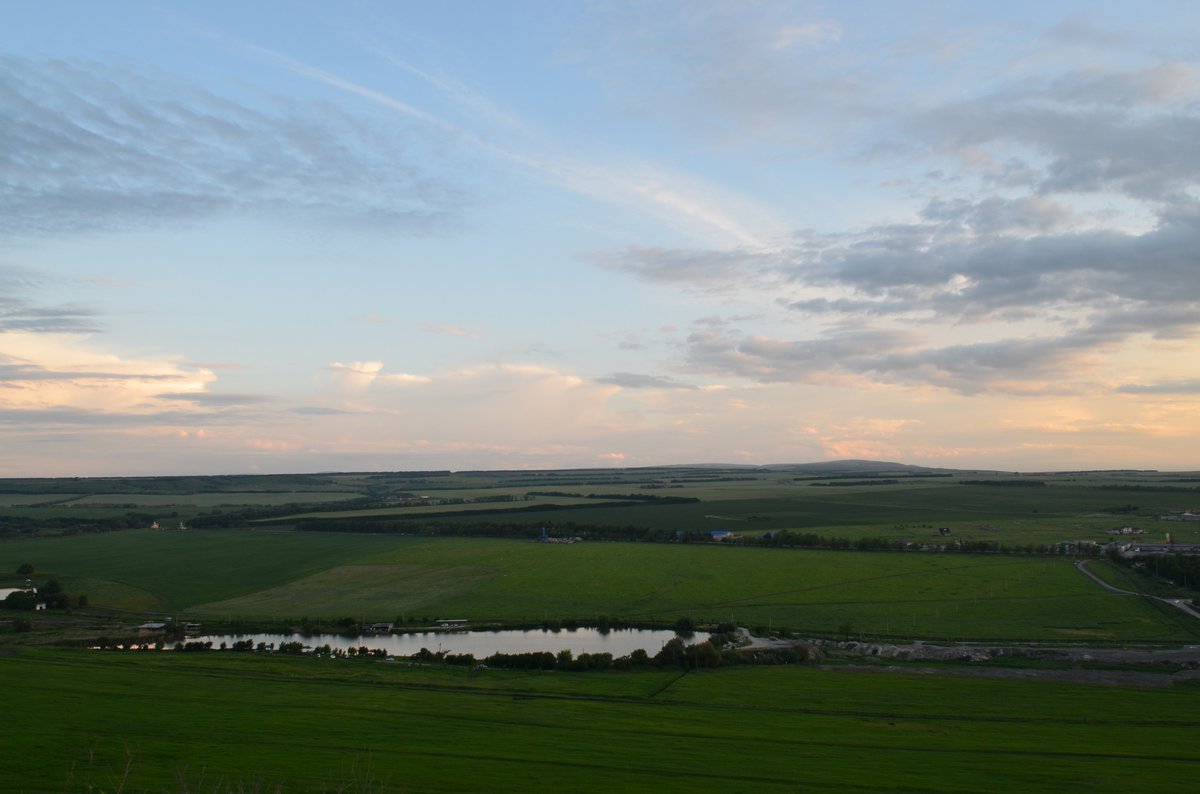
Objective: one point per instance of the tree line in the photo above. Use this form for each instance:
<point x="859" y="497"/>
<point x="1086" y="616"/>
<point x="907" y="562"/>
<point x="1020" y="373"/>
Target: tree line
<point x="1181" y="570"/>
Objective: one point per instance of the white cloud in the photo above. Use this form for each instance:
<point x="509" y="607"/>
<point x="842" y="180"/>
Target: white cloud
<point x="450" y="330"/>
<point x="71" y="373"/>
<point x="355" y="376"/>
<point x="811" y="34"/>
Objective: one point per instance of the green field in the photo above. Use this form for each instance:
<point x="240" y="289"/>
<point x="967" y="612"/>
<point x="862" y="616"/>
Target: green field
<point x="169" y="570"/>
<point x="222" y="499"/>
<point x="1013" y="516"/>
<point x="839" y="500"/>
<point x="226" y="723"/>
<point x="275" y="577"/>
<point x="411" y="547"/>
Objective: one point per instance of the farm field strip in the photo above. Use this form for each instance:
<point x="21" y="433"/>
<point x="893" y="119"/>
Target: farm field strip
<point x="402" y="511"/>
<point x="218" y="499"/>
<point x="27" y="500"/>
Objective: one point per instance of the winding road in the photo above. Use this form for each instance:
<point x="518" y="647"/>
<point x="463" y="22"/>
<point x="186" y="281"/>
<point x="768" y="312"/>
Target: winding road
<point x="1181" y="603"/>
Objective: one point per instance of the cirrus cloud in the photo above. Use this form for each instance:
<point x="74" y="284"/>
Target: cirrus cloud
<point x="92" y="146"/>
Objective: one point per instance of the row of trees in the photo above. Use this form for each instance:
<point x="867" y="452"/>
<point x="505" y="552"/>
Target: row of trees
<point x="51" y="593"/>
<point x="811" y="540"/>
<point x="777" y="539"/>
<point x="1181" y="570"/>
<point x="70" y="525"/>
<point x="673" y="655"/>
<point x="244" y="516"/>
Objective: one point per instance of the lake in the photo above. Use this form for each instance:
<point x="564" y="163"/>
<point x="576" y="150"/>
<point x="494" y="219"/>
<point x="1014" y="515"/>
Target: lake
<point x="480" y="644"/>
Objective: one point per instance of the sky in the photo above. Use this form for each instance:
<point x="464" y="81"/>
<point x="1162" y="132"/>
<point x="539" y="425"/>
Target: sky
<point x="358" y="236"/>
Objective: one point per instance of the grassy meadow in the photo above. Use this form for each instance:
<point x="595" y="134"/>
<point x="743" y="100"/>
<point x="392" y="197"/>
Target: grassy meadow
<point x="277" y="578"/>
<point x="223" y="722"/>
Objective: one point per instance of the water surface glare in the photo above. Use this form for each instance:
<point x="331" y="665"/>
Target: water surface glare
<point x="480" y="644"/>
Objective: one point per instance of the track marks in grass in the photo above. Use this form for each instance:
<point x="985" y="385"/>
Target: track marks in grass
<point x="357" y="589"/>
<point x="666" y="686"/>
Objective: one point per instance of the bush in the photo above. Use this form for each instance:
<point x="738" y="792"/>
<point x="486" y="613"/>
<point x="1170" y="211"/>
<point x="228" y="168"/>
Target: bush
<point x="685" y="627"/>
<point x="673" y="654"/>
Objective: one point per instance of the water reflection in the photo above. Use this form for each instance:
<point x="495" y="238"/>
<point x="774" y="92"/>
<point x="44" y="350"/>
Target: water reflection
<point x="480" y="644"/>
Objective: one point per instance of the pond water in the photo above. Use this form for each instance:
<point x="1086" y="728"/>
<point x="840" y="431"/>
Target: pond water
<point x="481" y="644"/>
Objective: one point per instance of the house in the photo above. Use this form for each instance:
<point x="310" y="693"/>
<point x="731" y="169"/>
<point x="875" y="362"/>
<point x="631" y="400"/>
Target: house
<point x="452" y="623"/>
<point x="378" y="628"/>
<point x="151" y="629"/>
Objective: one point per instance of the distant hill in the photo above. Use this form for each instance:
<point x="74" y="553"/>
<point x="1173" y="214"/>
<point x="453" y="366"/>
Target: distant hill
<point x="853" y="467"/>
<point x="828" y="467"/>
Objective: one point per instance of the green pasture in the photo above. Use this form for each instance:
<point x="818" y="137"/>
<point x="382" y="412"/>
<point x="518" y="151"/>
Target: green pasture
<point x="285" y="483"/>
<point x="180" y="506"/>
<point x="272" y="576"/>
<point x="140" y="722"/>
<point x="837" y="500"/>
<point x="29" y="499"/>
<point x="70" y="511"/>
<point x="209" y="500"/>
<point x="407" y="511"/>
<point x="909" y="510"/>
<point x="169" y="570"/>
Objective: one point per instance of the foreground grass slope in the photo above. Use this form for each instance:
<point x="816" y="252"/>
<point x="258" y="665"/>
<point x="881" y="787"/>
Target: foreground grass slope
<point x="210" y="722"/>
